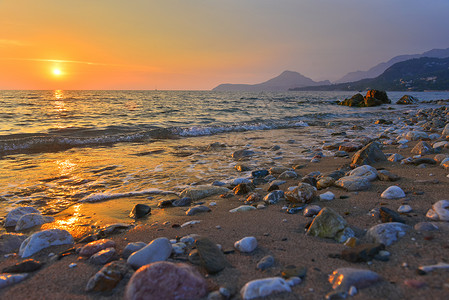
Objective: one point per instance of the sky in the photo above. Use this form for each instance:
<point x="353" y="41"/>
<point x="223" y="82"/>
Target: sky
<point x="199" y="44"/>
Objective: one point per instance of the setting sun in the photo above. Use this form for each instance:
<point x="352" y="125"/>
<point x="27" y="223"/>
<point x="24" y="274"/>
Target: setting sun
<point x="57" y="72"/>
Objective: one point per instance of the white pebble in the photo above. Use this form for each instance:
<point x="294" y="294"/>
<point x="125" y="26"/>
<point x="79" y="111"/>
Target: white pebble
<point x="247" y="244"/>
<point x="328" y="196"/>
<point x="405" y="209"/>
<point x="213" y="204"/>
<point x="72" y="265"/>
<point x="352" y="291"/>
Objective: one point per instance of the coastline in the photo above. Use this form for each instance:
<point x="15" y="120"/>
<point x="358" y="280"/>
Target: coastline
<point x="278" y="233"/>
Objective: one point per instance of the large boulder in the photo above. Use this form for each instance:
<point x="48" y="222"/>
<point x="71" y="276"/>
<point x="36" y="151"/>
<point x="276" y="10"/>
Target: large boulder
<point x="356" y="100"/>
<point x="166" y="280"/>
<point x="407" y="99"/>
<point x="369" y="154"/>
<point x="372" y="98"/>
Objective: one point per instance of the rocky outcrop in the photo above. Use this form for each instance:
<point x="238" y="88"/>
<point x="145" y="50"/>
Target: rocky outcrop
<point x="407" y="99"/>
<point x="372" y="98"/>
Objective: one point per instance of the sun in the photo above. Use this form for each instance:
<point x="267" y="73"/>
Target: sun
<point x="57" y="72"/>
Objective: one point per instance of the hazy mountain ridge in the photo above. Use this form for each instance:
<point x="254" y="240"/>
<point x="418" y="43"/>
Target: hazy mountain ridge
<point x="380" y="68"/>
<point x="285" y="81"/>
<point x="416" y="74"/>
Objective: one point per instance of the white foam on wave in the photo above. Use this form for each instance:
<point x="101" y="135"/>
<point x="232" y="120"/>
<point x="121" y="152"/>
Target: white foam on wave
<point x="202" y="131"/>
<point x="97" y="197"/>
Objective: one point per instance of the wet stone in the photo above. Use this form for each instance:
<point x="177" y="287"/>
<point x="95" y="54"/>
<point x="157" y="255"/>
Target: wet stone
<point x="140" y="211"/>
<point x="259" y="173"/>
<point x="165" y="203"/>
<point x="44" y="239"/>
<point x="243" y="188"/>
<point x="239" y="154"/>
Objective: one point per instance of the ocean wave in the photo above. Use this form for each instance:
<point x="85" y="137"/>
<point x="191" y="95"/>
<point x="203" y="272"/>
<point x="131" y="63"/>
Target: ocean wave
<point x="66" y="138"/>
<point x="98" y="197"/>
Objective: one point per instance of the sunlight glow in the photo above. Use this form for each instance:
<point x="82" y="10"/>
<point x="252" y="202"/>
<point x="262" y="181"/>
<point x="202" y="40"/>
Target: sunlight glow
<point x="57" y="72"/>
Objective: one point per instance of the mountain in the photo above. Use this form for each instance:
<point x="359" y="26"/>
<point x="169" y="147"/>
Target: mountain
<point x="380" y="68"/>
<point x="283" y="82"/>
<point x="417" y="74"/>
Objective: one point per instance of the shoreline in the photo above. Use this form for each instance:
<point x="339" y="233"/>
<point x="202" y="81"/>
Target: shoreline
<point x="278" y="233"/>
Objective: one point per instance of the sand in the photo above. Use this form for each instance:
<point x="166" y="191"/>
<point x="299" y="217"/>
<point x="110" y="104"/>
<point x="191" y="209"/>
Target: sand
<point x="281" y="235"/>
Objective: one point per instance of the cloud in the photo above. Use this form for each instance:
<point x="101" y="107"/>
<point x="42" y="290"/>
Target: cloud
<point x="4" y="42"/>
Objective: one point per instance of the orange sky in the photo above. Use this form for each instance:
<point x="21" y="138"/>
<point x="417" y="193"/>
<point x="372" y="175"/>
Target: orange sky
<point x="195" y="44"/>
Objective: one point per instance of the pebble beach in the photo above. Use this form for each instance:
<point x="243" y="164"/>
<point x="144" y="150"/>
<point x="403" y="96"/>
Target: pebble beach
<point x="341" y="209"/>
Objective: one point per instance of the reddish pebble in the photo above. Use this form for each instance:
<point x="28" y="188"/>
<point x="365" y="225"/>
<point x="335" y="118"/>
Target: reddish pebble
<point x="417" y="284"/>
<point x="166" y="280"/>
<point x="96" y="246"/>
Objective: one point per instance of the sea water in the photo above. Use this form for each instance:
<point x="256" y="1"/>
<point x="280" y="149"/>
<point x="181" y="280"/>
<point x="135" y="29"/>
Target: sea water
<point x="61" y="148"/>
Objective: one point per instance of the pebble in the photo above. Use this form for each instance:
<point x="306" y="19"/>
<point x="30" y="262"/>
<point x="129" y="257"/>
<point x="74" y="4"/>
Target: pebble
<point x="325" y="182"/>
<point x="288" y="175"/>
<point x="274" y="197"/>
<point x="73" y="265"/>
<point x="365" y="171"/>
<point x="10" y="242"/>
<point x="26" y="266"/>
<point x="389" y="215"/>
<point x="242" y="208"/>
<point x="265" y="263"/>
<point x="259" y="173"/>
<point x="202" y="191"/>
<point x="439" y="211"/>
<point x="44" y="239"/>
<point x="387" y="233"/>
<point x="10" y="279"/>
<point x="103" y="256"/>
<point x="329" y="224"/>
<point x="197" y="209"/>
<point x="385" y="175"/>
<point x="264" y="287"/>
<point x="343" y="278"/>
<point x="403" y="209"/>
<point x="140" y="211"/>
<point x="193" y="222"/>
<point x="362" y="253"/>
<point x="239" y="154"/>
<point x="328" y="196"/>
<point x="96" y="246"/>
<point x="211" y="257"/>
<point x="186" y="201"/>
<point x="422" y="148"/>
<point x="179" y="281"/>
<point x="353" y="183"/>
<point x="31" y="220"/>
<point x="189" y="239"/>
<point x="393" y="192"/>
<point x="311" y="210"/>
<point x="14" y="215"/>
<point x="303" y="193"/>
<point x="108" y="277"/>
<point x="395" y="157"/>
<point x="158" y="250"/>
<point x="426" y="226"/>
<point x="131" y="248"/>
<point x="247" y="244"/>
<point x="178" y="248"/>
<point x="430" y="268"/>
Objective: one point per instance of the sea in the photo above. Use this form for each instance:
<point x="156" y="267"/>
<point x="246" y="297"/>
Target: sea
<point x="60" y="149"/>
